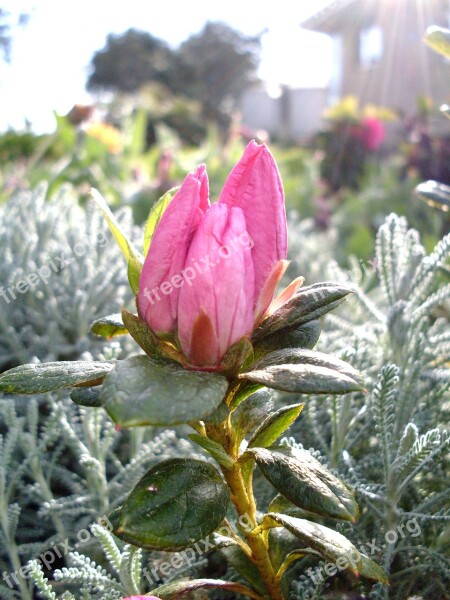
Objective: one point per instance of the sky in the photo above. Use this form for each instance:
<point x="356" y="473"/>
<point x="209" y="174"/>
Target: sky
<point x="51" y="54"/>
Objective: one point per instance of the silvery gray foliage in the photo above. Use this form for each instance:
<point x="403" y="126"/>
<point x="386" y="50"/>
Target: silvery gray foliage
<point x="389" y="444"/>
<point x="59" y="270"/>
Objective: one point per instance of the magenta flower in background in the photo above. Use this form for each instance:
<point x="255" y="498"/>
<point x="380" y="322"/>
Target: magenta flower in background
<point x="373" y="133"/>
<point x="211" y="270"/>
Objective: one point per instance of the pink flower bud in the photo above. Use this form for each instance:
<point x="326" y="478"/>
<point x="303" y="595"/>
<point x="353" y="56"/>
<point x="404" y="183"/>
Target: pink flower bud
<point x="211" y="271"/>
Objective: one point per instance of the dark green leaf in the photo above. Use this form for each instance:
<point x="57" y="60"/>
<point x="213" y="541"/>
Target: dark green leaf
<point x="176" y="589"/>
<point x="155" y="215"/>
<point x="328" y="543"/>
<point x="141" y="333"/>
<point x="250" y="413"/>
<point x="237" y="354"/>
<point x="274" y="426"/>
<point x="438" y="39"/>
<point x="89" y="396"/>
<point x="244" y="566"/>
<point x="434" y="194"/>
<point x="305" y="378"/>
<point x="47" y="377"/>
<point x="280" y="504"/>
<point x="213" y="448"/>
<point x="298" y="476"/>
<point x="371" y="570"/>
<point x="299" y="336"/>
<point x="175" y="504"/>
<point x="242" y="391"/>
<point x="109" y="326"/>
<point x="281" y="542"/>
<point x="144" y="391"/>
<point x="306" y="305"/>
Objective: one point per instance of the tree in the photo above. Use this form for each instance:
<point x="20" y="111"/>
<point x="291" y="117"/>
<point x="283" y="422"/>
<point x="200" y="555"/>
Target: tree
<point x="128" y="61"/>
<point x="215" y="66"/>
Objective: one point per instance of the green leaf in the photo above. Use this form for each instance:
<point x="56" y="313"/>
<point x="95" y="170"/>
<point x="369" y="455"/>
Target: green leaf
<point x="280" y="504"/>
<point x="141" y="333"/>
<point x="237" y="354"/>
<point x="306" y="305"/>
<point x="274" y="426"/>
<point x="298" y="476"/>
<point x="328" y="543"/>
<point x="144" y="391"/>
<point x="176" y="589"/>
<point x="434" y="194"/>
<point x="48" y="377"/>
<point x="244" y="566"/>
<point x="132" y="256"/>
<point x="155" y="215"/>
<point x="89" y="396"/>
<point x="298" y="336"/>
<point x="213" y="448"/>
<point x="175" y="504"/>
<point x="371" y="570"/>
<point x="304" y="371"/>
<point x="250" y="413"/>
<point x="438" y="39"/>
<point x="109" y="326"/>
<point x="242" y="391"/>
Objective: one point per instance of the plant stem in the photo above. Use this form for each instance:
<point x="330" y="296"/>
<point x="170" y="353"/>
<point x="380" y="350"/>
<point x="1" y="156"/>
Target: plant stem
<point x="240" y="485"/>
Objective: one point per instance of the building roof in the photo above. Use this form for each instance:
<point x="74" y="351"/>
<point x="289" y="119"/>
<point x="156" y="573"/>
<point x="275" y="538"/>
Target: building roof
<point x="340" y="14"/>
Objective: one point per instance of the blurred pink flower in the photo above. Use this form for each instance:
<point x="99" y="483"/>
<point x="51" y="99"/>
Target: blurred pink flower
<point x="373" y="133"/>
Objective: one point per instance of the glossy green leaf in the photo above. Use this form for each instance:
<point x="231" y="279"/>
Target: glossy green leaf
<point x="330" y="544"/>
<point x="155" y="215"/>
<point x="304" y="378"/>
<point x="213" y="448"/>
<point x="250" y="413"/>
<point x="89" y="396"/>
<point x="144" y="391"/>
<point x="298" y="476"/>
<point x="141" y="333"/>
<point x="174" y="505"/>
<point x="435" y="194"/>
<point x="274" y="426"/>
<point x="177" y="589"/>
<point x="109" y="326"/>
<point x="132" y="256"/>
<point x="306" y="305"/>
<point x="48" y="377"/>
<point x="280" y="504"/>
<point x="243" y="391"/>
<point x="438" y="39"/>
<point x="298" y="336"/>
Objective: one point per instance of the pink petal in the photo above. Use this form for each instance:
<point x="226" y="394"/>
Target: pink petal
<point x="157" y="298"/>
<point x="268" y="290"/>
<point x="221" y="287"/>
<point x="254" y="185"/>
<point x="285" y="295"/>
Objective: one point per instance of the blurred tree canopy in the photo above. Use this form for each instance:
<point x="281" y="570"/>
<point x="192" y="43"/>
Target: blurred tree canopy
<point x="129" y="61"/>
<point x="212" y="67"/>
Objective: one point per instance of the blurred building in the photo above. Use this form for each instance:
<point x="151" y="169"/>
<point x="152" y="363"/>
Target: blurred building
<point x="292" y="115"/>
<point x="379" y="54"/>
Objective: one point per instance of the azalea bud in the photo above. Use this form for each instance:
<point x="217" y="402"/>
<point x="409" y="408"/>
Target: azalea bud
<point x="211" y="271"/>
<point x="216" y="310"/>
